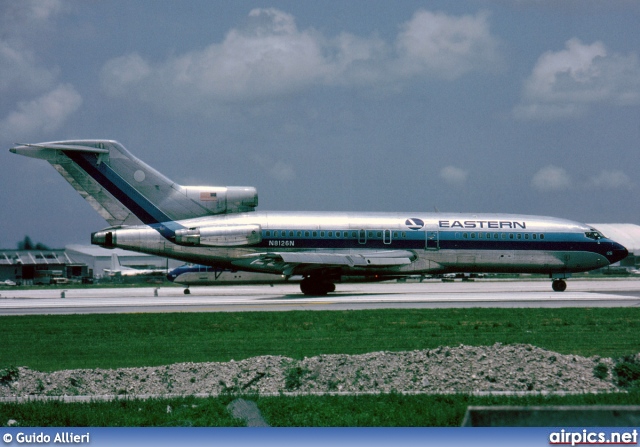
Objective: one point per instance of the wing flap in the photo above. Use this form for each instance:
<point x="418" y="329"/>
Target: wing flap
<point x="351" y="260"/>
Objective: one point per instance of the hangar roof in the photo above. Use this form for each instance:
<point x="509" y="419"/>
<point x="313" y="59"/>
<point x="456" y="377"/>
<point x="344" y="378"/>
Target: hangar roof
<point x="625" y="234"/>
<point x="96" y="251"/>
<point x="34" y="257"/>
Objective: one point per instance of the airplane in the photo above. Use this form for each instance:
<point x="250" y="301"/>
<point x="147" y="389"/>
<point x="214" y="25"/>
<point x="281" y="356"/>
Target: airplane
<point x="220" y="227"/>
<point x="204" y="275"/>
<point x="120" y="270"/>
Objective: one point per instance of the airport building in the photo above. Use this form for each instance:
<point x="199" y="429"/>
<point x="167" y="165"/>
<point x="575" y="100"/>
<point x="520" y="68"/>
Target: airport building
<point x="78" y="263"/>
<point x="97" y="259"/>
<point x="32" y="267"/>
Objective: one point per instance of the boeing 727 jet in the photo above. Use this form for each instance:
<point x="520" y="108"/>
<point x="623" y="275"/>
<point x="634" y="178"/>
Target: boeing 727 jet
<point x="219" y="227"/>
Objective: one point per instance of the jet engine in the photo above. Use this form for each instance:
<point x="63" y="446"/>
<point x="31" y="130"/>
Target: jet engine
<point x="220" y="236"/>
<point x="223" y="199"/>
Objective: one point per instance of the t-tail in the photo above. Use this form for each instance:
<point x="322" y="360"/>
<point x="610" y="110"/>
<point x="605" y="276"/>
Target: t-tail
<point x="127" y="191"/>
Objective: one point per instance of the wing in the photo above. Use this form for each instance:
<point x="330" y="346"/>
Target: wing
<point x="299" y="263"/>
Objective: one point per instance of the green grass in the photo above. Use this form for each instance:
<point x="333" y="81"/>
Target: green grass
<point x="49" y="343"/>
<point x="389" y="410"/>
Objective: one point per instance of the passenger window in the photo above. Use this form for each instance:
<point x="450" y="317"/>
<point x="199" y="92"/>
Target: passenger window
<point x="267" y="233"/>
<point x="519" y="235"/>
<point x="535" y="236"/>
<point x="464" y="235"/>
<point x="330" y="234"/>
<point x="299" y="233"/>
<point x="526" y="236"/>
<point x="542" y="236"/>
<point x="315" y="234"/>
<point x="473" y="235"/>
<point x="510" y="235"/>
<point x="306" y="233"/>
<point x="322" y="234"/>
<point x="495" y="235"/>
<point x="379" y="234"/>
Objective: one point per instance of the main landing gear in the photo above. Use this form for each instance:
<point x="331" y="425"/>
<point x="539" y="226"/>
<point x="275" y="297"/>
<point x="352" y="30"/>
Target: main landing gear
<point x="316" y="286"/>
<point x="559" y="285"/>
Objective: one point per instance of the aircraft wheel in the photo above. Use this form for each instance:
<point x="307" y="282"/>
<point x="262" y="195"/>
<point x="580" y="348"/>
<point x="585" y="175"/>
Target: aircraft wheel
<point x="559" y="285"/>
<point x="309" y="286"/>
<point x="187" y="291"/>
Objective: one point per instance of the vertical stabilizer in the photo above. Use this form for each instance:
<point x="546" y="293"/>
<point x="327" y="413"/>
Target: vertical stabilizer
<point x="127" y="191"/>
<point x="115" y="263"/>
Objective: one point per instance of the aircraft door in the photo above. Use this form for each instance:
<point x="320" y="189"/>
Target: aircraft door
<point x="433" y="240"/>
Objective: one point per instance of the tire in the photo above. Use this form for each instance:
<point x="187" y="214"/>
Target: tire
<point x="559" y="285"/>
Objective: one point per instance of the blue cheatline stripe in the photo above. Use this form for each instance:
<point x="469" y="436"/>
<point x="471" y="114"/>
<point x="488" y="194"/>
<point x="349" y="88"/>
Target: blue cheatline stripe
<point x="417" y="240"/>
<point x="132" y="199"/>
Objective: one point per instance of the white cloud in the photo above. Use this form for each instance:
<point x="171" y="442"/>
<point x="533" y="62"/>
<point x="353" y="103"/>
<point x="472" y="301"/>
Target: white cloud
<point x="20" y="70"/>
<point x="277" y="169"/>
<point x="567" y="82"/>
<point x="551" y="178"/>
<point x="454" y="176"/>
<point x="22" y="22"/>
<point x="120" y="73"/>
<point x="283" y="172"/>
<point x="446" y="46"/>
<point x="611" y="179"/>
<point x="43" y="114"/>
<point x="272" y="57"/>
<point x="27" y="16"/>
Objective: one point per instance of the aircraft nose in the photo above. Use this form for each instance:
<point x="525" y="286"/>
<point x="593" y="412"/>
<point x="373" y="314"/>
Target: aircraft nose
<point x="617" y="253"/>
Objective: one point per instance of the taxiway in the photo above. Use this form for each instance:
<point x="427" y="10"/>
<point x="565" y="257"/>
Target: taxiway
<point x="284" y="297"/>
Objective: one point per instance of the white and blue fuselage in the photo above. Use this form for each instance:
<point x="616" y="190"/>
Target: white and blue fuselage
<point x="217" y="226"/>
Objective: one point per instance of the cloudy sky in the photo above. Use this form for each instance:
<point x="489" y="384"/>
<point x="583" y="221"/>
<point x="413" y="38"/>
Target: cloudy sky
<point x="524" y="106"/>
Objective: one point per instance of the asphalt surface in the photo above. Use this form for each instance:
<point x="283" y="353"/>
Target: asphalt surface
<point x="282" y="297"/>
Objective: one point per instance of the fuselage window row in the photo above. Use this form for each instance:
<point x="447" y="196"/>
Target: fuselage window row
<point x="330" y="234"/>
<point x="503" y="236"/>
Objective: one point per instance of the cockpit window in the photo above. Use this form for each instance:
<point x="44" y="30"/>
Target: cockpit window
<point x="593" y="234"/>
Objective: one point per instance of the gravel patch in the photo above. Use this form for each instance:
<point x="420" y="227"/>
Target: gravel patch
<point x="462" y="369"/>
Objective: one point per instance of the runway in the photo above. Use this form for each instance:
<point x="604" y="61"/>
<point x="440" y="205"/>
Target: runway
<point x="285" y="297"/>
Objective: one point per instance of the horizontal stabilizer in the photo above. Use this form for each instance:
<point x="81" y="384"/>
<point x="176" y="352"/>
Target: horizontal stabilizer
<point x="62" y="147"/>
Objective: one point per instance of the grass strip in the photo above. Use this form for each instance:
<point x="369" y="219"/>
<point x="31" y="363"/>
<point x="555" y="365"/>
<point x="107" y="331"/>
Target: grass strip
<point x="54" y="342"/>
<point x="387" y="410"/>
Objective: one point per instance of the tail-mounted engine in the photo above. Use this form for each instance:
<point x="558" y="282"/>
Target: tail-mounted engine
<point x="220" y="236"/>
<point x="223" y="199"/>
